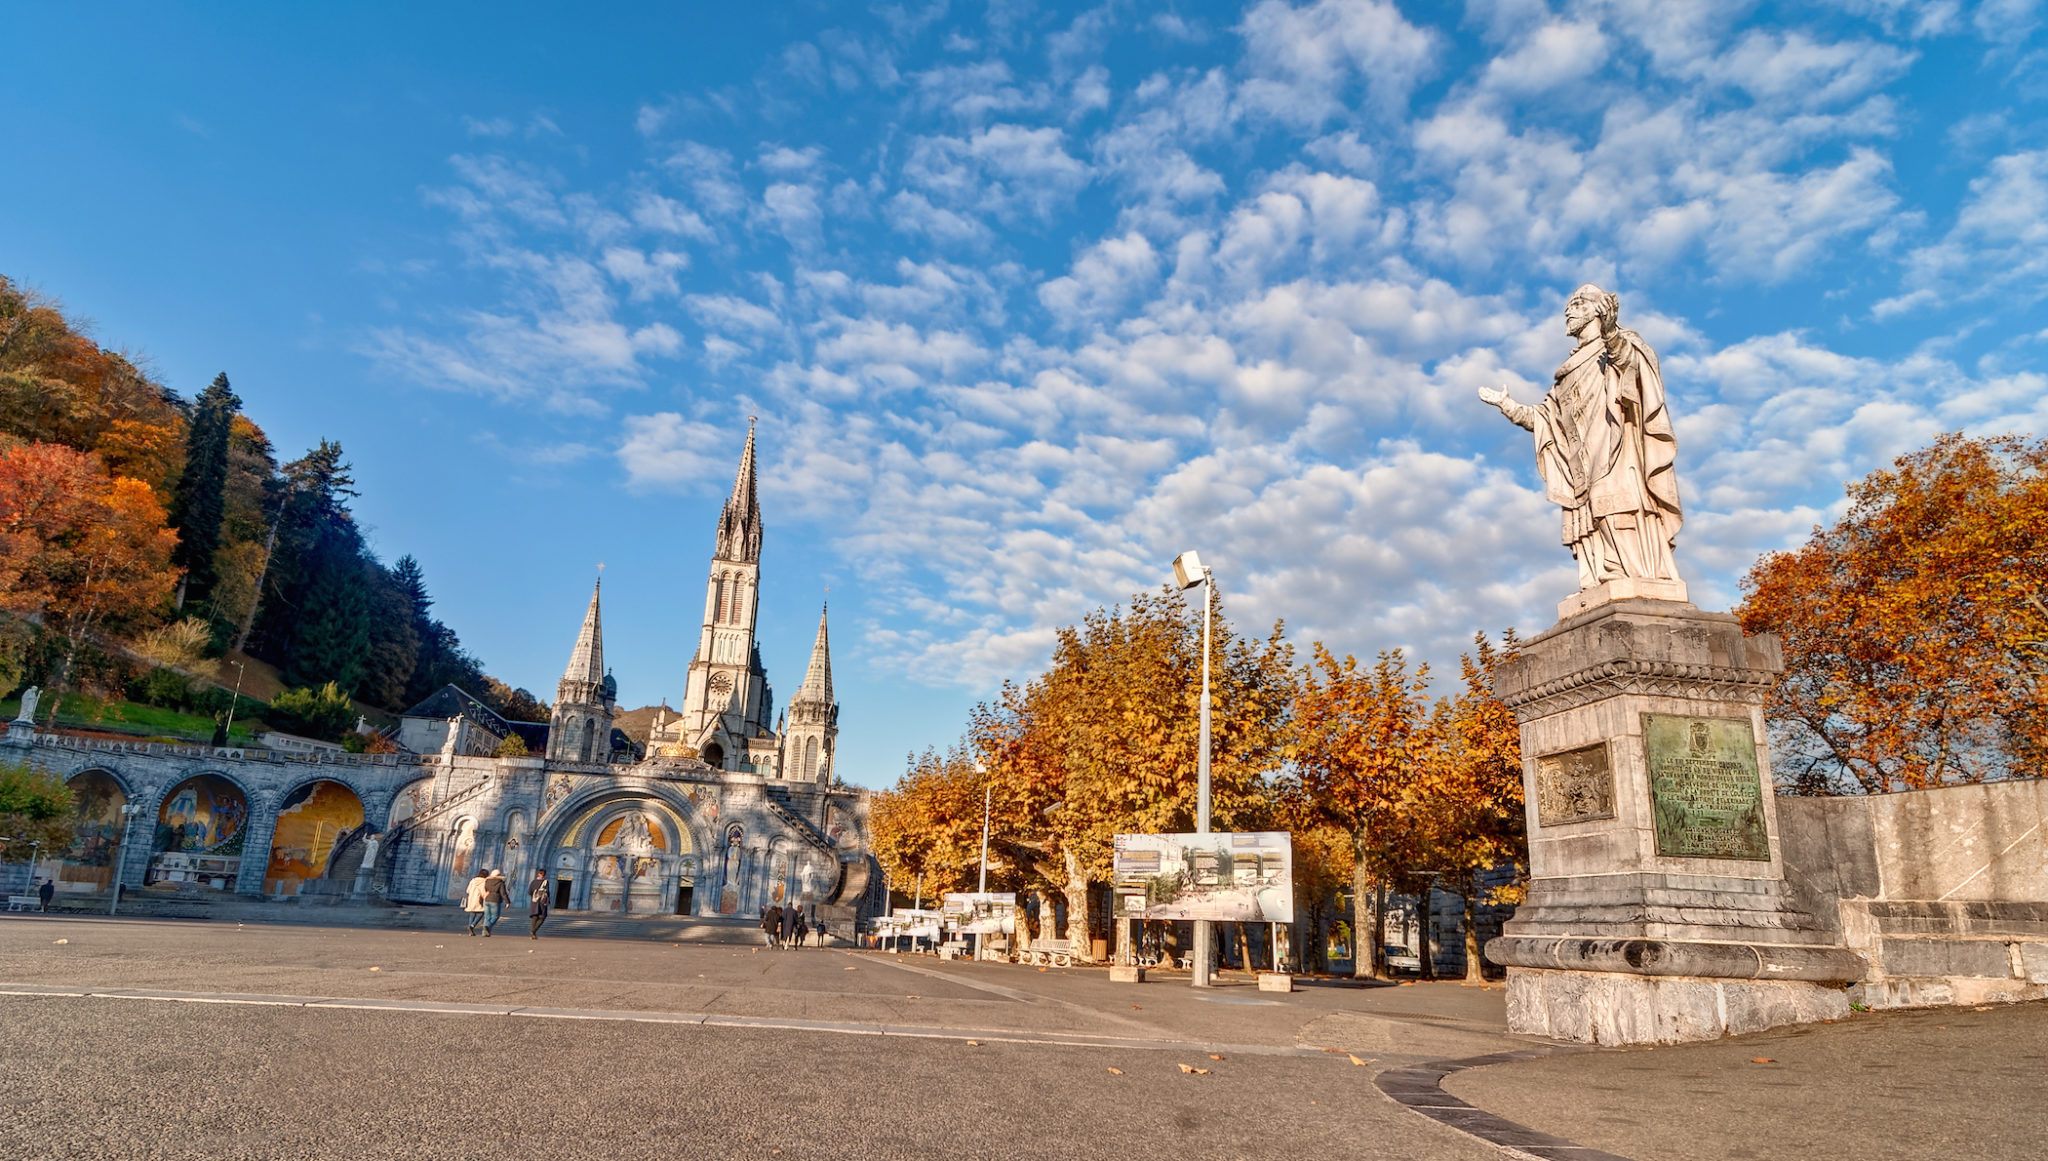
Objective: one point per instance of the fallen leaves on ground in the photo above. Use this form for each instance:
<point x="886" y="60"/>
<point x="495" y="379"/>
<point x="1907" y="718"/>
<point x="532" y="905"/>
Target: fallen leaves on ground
<point x="1189" y="1068"/>
<point x="376" y="969"/>
<point x="1215" y="1056"/>
<point x="1761" y="1060"/>
<point x="974" y="1044"/>
<point x="913" y="997"/>
<point x="1355" y="1059"/>
<point x="853" y="969"/>
<point x="54" y="941"/>
<point x="1116" y="1072"/>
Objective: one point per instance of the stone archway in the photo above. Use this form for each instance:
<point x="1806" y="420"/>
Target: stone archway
<point x="89" y="864"/>
<point x="198" y="835"/>
<point x="621" y="853"/>
<point x="318" y="842"/>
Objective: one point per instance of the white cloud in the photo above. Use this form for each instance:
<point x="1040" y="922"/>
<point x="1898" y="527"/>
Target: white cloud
<point x="1301" y="60"/>
<point x="667" y="451"/>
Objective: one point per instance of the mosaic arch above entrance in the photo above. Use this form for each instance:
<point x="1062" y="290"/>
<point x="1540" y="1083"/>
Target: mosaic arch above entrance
<point x="625" y="855"/>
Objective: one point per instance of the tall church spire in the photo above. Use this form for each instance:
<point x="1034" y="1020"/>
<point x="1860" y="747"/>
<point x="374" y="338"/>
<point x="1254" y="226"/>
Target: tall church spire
<point x="817" y="686"/>
<point x="586" y="661"/>
<point x="739" y="526"/>
<point x="580" y="728"/>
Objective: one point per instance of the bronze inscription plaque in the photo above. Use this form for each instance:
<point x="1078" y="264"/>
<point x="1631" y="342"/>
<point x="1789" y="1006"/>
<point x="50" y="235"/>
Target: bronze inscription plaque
<point x="1705" y="791"/>
<point x="1574" y="786"/>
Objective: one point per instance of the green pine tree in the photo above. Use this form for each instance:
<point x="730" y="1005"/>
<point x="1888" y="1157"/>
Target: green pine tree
<point x="200" y="500"/>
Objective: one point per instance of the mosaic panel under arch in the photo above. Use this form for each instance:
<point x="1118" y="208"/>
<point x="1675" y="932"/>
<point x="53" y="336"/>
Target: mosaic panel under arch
<point x="199" y="833"/>
<point x="320" y="834"/>
<point x="88" y="864"/>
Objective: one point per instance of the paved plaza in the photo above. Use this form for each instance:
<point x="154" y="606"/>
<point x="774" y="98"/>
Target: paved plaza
<point x="335" y="1042"/>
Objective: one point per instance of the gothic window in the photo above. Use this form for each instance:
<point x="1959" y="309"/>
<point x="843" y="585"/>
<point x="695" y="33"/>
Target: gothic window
<point x="718" y="601"/>
<point x="589" y="732"/>
<point x="811" y="759"/>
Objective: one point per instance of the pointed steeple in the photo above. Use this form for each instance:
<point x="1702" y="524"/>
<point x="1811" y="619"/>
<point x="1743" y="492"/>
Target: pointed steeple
<point x="817" y="686"/>
<point x="739" y="526"/>
<point x="585" y="675"/>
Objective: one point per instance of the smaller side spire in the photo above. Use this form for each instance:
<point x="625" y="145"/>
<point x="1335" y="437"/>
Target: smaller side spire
<point x="817" y="686"/>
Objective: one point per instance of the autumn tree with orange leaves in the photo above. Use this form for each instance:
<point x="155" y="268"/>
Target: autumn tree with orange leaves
<point x="77" y="549"/>
<point x="1916" y="628"/>
<point x="1428" y="792"/>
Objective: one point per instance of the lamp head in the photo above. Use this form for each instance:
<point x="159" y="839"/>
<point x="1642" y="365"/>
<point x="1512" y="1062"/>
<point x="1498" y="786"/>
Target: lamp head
<point x="1188" y="571"/>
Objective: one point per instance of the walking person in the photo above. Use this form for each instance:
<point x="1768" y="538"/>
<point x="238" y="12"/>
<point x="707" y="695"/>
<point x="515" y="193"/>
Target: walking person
<point x="537" y="902"/>
<point x="496" y="895"/>
<point x="802" y="928"/>
<point x="771" y="922"/>
<point x="47" y="892"/>
<point x="473" y="899"/>
<point x="789" y="919"/>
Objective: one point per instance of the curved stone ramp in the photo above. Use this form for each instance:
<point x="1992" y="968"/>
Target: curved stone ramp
<point x="1419" y="1088"/>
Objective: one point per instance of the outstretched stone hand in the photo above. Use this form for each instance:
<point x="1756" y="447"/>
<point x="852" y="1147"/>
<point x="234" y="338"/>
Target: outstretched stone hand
<point x="1499" y="398"/>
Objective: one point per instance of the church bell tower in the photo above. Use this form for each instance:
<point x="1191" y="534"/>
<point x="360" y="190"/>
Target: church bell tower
<point x="726" y="700"/>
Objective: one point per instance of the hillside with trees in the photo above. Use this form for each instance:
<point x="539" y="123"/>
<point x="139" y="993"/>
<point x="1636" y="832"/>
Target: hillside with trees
<point x="149" y="541"/>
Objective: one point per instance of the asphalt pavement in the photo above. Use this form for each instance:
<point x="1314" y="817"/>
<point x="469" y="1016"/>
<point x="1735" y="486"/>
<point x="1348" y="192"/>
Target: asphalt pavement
<point x="167" y="1039"/>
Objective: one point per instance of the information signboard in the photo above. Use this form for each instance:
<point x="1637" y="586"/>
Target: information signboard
<point x="1222" y="877"/>
<point x="980" y="912"/>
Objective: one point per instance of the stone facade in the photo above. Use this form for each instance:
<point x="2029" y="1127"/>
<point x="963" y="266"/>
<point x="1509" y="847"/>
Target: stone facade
<point x="722" y="817"/>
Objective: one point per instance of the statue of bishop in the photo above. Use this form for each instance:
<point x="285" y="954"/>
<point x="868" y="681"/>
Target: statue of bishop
<point x="1604" y="447"/>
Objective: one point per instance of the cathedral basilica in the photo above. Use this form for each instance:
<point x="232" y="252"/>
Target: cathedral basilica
<point x="728" y="807"/>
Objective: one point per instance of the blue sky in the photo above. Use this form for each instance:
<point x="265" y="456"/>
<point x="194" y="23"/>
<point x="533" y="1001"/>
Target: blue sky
<point x="1030" y="297"/>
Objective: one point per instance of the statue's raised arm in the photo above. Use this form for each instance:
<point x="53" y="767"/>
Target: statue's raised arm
<point x="1605" y="448"/>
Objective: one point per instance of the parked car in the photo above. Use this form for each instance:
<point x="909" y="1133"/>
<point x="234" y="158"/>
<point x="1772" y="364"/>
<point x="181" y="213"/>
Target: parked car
<point x="1402" y="962"/>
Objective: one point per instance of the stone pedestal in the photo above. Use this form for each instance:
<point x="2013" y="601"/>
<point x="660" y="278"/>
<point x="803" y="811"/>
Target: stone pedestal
<point x="1658" y="909"/>
<point x="1276" y="982"/>
<point x="1126" y="973"/>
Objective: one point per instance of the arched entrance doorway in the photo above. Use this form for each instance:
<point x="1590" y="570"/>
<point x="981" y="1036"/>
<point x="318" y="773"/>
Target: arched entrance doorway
<point x="319" y="841"/>
<point x="198" y="835"/>
<point x="87" y="866"/>
<point x="626" y="856"/>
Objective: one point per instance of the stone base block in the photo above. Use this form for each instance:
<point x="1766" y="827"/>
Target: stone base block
<point x="1625" y="589"/>
<point x="1614" y="1008"/>
<point x="1276" y="982"/>
<point x="1126" y="973"/>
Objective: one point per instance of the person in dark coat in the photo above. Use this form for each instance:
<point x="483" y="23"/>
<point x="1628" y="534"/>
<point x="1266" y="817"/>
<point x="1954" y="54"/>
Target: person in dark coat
<point x="47" y="891"/>
<point x="496" y="895"/>
<point x="789" y="918"/>
<point x="537" y="902"/>
<point x="803" y="927"/>
<point x="771" y="922"/>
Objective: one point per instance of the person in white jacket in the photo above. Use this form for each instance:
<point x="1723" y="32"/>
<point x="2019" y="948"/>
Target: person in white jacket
<point x="473" y="900"/>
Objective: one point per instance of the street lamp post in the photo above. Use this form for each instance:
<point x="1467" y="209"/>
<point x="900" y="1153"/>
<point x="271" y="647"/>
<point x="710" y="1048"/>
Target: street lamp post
<point x="227" y="731"/>
<point x="1188" y="571"/>
<point x="988" y="790"/>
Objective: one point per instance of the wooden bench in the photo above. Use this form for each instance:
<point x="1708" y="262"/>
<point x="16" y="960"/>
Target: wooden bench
<point x="24" y="903"/>
<point x="1050" y="952"/>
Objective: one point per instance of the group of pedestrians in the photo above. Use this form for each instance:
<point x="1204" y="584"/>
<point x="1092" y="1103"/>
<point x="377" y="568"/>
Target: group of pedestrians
<point x="786" y="927"/>
<point x="488" y="894"/>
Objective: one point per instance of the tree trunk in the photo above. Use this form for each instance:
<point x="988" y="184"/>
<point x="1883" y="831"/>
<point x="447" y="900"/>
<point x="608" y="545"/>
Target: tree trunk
<point x="1077" y="907"/>
<point x="1475" y="963"/>
<point x="1379" y="931"/>
<point x="1422" y="932"/>
<point x="1244" y="949"/>
<point x="1364" y="932"/>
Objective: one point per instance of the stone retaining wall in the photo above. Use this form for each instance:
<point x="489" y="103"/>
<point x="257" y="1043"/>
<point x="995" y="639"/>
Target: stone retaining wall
<point x="1944" y="892"/>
